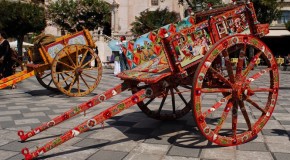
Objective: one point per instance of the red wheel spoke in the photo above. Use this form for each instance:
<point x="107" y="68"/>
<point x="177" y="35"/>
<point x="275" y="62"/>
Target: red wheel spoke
<point x="251" y="64"/>
<point x="223" y="117"/>
<point x="216" y="90"/>
<point x="245" y="114"/>
<point x="256" y="105"/>
<point x="217" y="105"/>
<point x="257" y="75"/>
<point x="235" y="119"/>
<point x="240" y="63"/>
<point x="220" y="76"/>
<point x="173" y="100"/>
<point x="262" y="90"/>
<point x="162" y="102"/>
<point x="229" y="66"/>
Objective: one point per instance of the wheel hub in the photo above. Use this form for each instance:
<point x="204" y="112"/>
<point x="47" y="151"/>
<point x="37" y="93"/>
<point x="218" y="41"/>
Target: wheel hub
<point x="79" y="71"/>
<point x="237" y="90"/>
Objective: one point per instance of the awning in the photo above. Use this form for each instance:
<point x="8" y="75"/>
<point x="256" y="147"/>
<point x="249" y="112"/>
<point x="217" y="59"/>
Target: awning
<point x="277" y="33"/>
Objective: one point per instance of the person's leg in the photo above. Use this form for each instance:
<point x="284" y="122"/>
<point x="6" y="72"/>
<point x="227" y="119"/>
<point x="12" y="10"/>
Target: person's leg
<point x="117" y="68"/>
<point x="9" y="71"/>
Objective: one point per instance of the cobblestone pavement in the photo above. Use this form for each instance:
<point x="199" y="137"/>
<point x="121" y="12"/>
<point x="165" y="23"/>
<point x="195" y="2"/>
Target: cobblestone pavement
<point x="130" y="135"/>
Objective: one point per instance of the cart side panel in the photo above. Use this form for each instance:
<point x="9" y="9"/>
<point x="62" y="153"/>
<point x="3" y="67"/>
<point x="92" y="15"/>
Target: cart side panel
<point x="192" y="44"/>
<point x="149" y="45"/>
<point x="231" y="22"/>
<point x="53" y="48"/>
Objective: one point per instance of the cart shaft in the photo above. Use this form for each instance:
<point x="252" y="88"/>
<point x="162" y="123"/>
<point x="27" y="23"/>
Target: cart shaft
<point x="74" y="111"/>
<point x="86" y="125"/>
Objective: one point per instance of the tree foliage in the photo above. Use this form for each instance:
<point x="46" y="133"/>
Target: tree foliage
<point x="74" y="15"/>
<point x="18" y="19"/>
<point x="267" y="10"/>
<point x="151" y="20"/>
<point x="204" y="3"/>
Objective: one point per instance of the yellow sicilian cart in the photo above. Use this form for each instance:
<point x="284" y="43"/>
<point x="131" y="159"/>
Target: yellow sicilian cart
<point x="68" y="64"/>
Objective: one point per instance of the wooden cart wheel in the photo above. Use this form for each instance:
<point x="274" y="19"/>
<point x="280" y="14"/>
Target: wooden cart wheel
<point x="73" y="71"/>
<point x="44" y="79"/>
<point x="172" y="103"/>
<point x="237" y="114"/>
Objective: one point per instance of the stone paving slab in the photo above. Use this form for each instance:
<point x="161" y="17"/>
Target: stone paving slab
<point x="131" y="135"/>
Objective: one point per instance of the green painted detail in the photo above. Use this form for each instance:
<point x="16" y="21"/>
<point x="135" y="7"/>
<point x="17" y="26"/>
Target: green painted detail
<point x="276" y="79"/>
<point x="77" y="110"/>
<point x="54" y="144"/>
<point x="220" y="121"/>
<point x="121" y="106"/>
<point x="223" y="141"/>
<point x="261" y="124"/>
<point x="215" y="52"/>
<point x="197" y="107"/>
<point x="82" y="128"/>
<point x="255" y="42"/>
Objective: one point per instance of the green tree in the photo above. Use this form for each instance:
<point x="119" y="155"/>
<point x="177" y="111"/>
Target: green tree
<point x="267" y="10"/>
<point x="151" y="20"/>
<point x="73" y="15"/>
<point x="18" y="19"/>
<point x="204" y="3"/>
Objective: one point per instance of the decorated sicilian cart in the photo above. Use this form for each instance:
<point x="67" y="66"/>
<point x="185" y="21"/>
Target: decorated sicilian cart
<point x="175" y="68"/>
<point x="68" y="64"/>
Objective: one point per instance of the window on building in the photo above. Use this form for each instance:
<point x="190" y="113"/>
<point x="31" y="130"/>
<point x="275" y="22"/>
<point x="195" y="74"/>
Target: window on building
<point x="154" y="2"/>
<point x="285" y="17"/>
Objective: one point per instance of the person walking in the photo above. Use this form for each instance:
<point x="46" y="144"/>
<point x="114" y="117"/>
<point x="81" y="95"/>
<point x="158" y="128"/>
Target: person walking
<point x="286" y="62"/>
<point x="123" y="62"/>
<point x="97" y="52"/>
<point x="6" y="62"/>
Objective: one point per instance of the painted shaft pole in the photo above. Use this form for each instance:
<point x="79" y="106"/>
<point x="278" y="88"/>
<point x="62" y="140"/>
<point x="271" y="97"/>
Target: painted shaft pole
<point x="74" y="111"/>
<point x="17" y="79"/>
<point x="86" y="125"/>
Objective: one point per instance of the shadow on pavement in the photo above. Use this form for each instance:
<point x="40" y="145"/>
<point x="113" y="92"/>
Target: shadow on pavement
<point x="176" y="133"/>
<point x="284" y="88"/>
